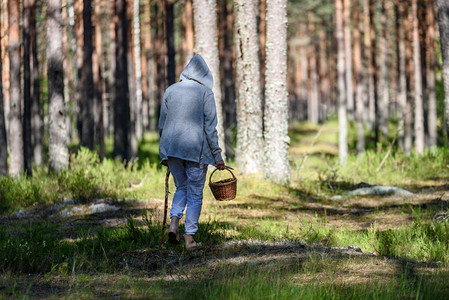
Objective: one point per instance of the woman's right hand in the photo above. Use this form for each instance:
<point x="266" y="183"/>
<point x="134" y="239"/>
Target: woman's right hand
<point x="220" y="165"/>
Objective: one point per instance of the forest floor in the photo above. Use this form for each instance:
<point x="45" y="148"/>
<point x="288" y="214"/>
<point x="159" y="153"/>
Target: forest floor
<point x="307" y="240"/>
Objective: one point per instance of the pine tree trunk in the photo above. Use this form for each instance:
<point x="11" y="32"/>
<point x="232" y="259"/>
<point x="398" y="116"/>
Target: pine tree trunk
<point x="170" y="39"/>
<point x="87" y="111"/>
<point x="360" y="80"/>
<point x="189" y="37"/>
<point x="138" y="67"/>
<point x="419" y="110"/>
<point x="343" y="132"/>
<point x="36" y="121"/>
<point x="369" y="98"/>
<point x="161" y="53"/>
<point x="132" y="81"/>
<point x="98" y="78"/>
<point x="382" y="111"/>
<point x="3" y="141"/>
<point x="324" y="80"/>
<point x="313" y="99"/>
<point x="262" y="38"/>
<point x="430" y="77"/>
<point x="121" y="101"/>
<point x="16" y="159"/>
<point x="249" y="120"/>
<point x="408" y="27"/>
<point x="348" y="58"/>
<point x="302" y="70"/>
<point x="443" y="22"/>
<point x="373" y="106"/>
<point x="402" y="79"/>
<point x="58" y="151"/>
<point x="227" y="73"/>
<point x="5" y="62"/>
<point x="28" y="7"/>
<point x="206" y="44"/>
<point x="277" y="142"/>
<point x="149" y="58"/>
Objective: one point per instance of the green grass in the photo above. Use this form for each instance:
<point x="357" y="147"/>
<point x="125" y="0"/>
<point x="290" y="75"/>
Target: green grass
<point x="80" y="257"/>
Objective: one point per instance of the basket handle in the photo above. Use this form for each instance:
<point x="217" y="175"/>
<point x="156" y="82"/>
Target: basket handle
<point x="210" y="177"/>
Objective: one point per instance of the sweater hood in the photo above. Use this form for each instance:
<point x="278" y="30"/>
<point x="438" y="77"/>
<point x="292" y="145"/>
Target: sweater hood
<point x="198" y="71"/>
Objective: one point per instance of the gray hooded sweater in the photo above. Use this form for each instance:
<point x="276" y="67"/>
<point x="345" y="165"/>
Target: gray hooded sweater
<point x="188" y="119"/>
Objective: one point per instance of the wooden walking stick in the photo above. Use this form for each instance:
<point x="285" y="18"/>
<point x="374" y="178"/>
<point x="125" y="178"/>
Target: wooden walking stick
<point x="164" y="222"/>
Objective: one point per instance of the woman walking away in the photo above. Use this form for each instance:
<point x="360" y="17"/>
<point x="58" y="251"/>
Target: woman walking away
<point x="189" y="142"/>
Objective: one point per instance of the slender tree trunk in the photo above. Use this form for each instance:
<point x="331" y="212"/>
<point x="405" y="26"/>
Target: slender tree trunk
<point x="79" y="89"/>
<point x="430" y="74"/>
<point x="132" y="80"/>
<point x="373" y="106"/>
<point x="324" y="80"/>
<point x="87" y="112"/>
<point x="262" y="38"/>
<point x="227" y="73"/>
<point x="277" y="142"/>
<point x="408" y="27"/>
<point x="348" y="58"/>
<point x="161" y="54"/>
<point x="36" y="121"/>
<point x="3" y="141"/>
<point x="151" y="111"/>
<point x="343" y="132"/>
<point x="419" y="110"/>
<point x="16" y="159"/>
<point x="188" y="25"/>
<point x="170" y="40"/>
<point x="360" y="80"/>
<point x="28" y="7"/>
<point x="58" y="151"/>
<point x="302" y="70"/>
<point x="98" y="78"/>
<point x="443" y="23"/>
<point x="138" y="67"/>
<point x="249" y="120"/>
<point x="369" y="98"/>
<point x="121" y="101"/>
<point x="206" y="44"/>
<point x="4" y="19"/>
<point x="382" y="111"/>
<point x="313" y="100"/>
<point x="401" y="64"/>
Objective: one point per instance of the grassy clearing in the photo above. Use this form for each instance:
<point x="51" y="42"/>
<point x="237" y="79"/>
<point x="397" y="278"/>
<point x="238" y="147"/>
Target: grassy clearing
<point x="272" y="241"/>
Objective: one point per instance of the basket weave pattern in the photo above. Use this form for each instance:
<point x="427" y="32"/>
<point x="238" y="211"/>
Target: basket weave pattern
<point x="223" y="190"/>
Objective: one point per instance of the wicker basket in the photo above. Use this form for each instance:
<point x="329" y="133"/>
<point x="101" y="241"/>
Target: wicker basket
<point x="223" y="190"/>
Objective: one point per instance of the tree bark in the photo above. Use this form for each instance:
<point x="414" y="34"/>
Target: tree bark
<point x="324" y="78"/>
<point x="360" y="80"/>
<point x="189" y="36"/>
<point x="227" y="72"/>
<point x="58" y="151"/>
<point x="206" y="44"/>
<point x="343" y="132"/>
<point x="382" y="111"/>
<point x="29" y="25"/>
<point x="98" y="79"/>
<point x="16" y="159"/>
<point x="313" y="99"/>
<point x="121" y="101"/>
<point x="430" y="74"/>
<point x="408" y="27"/>
<point x="170" y="40"/>
<point x="369" y="97"/>
<point x="138" y="70"/>
<point x="149" y="58"/>
<point x="373" y="106"/>
<point x="443" y="22"/>
<point x="36" y="121"/>
<point x="348" y="58"/>
<point x="3" y="141"/>
<point x="249" y="150"/>
<point x="402" y="79"/>
<point x="277" y="142"/>
<point x="419" y="110"/>
<point x="5" y="62"/>
<point x="87" y="111"/>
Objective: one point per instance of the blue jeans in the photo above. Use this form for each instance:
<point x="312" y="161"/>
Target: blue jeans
<point x="189" y="180"/>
